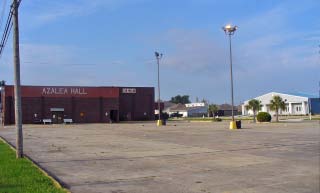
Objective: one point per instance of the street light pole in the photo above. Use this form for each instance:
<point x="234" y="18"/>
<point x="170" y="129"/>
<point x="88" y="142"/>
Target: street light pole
<point x="229" y="30"/>
<point x="231" y="78"/>
<point x="158" y="57"/>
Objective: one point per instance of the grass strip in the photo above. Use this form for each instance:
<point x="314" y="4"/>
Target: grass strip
<point x="21" y="175"/>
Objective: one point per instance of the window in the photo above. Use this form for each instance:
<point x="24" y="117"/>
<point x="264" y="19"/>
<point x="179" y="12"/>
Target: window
<point x="298" y="108"/>
<point x="287" y="109"/>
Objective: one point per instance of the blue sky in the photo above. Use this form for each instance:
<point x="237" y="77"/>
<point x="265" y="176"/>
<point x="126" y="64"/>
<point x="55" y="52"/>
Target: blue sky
<point x="112" y="42"/>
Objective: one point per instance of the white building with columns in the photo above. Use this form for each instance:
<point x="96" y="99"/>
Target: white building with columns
<point x="295" y="104"/>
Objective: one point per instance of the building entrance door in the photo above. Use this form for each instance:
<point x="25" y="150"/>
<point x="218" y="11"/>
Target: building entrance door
<point x="57" y="116"/>
<point x="114" y="116"/>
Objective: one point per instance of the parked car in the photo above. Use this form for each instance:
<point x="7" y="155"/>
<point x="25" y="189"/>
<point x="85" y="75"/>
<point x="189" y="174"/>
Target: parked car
<point x="176" y="115"/>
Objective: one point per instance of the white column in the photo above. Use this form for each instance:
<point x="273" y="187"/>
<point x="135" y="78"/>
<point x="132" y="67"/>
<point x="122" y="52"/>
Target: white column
<point x="290" y="108"/>
<point x="303" y="108"/>
<point x="307" y="107"/>
<point x="243" y="110"/>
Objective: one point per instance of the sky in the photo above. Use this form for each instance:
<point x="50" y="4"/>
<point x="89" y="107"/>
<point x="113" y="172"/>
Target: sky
<point x="112" y="43"/>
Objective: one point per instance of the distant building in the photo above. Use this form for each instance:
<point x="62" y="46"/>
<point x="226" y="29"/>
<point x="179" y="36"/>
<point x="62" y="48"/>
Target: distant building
<point x="156" y="107"/>
<point x="197" y="109"/>
<point x="186" y="110"/>
<point x="226" y="110"/>
<point x="314" y="104"/>
<point x="196" y="105"/>
<point x="177" y="109"/>
<point x="78" y="104"/>
<point x="296" y="104"/>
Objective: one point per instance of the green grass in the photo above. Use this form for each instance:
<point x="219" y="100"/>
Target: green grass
<point x="313" y="118"/>
<point x="209" y="119"/>
<point x="242" y="118"/>
<point x="21" y="175"/>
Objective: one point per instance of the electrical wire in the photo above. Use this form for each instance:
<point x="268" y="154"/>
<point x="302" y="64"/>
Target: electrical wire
<point x="7" y="29"/>
<point x="2" y="12"/>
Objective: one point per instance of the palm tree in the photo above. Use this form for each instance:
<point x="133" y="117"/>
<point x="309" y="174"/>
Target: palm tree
<point x="212" y="109"/>
<point x="277" y="103"/>
<point x="255" y="106"/>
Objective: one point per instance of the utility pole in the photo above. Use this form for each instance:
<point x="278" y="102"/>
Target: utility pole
<point x="2" y="98"/>
<point x="17" y="88"/>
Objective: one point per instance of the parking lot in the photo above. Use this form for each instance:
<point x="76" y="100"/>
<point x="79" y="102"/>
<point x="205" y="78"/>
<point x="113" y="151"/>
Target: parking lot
<point x="181" y="157"/>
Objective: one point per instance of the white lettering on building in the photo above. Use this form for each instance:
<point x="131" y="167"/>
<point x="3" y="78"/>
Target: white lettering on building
<point x="195" y="104"/>
<point x="78" y="91"/>
<point x="63" y="91"/>
<point x="129" y="90"/>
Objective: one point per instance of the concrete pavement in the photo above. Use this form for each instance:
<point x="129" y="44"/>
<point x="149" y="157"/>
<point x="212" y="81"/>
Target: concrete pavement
<point x="180" y="157"/>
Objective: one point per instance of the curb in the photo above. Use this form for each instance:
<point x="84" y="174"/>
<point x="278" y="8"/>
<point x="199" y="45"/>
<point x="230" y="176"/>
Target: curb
<point x="56" y="181"/>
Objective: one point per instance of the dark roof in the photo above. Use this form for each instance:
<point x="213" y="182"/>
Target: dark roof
<point x="168" y="104"/>
<point x="192" y="108"/>
<point x="227" y="107"/>
<point x="197" y="109"/>
<point x="178" y="107"/>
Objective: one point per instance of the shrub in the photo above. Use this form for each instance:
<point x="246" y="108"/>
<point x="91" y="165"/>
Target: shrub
<point x="217" y="119"/>
<point x="263" y="117"/>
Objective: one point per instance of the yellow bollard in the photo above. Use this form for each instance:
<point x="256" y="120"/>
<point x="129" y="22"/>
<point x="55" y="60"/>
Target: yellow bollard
<point x="233" y="125"/>
<point x="159" y="123"/>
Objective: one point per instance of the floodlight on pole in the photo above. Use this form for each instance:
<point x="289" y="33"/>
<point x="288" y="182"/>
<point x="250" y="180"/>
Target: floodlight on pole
<point x="230" y="30"/>
<point x="158" y="57"/>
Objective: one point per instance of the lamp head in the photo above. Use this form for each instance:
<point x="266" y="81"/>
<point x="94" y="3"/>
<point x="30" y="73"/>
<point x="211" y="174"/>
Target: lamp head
<point x="229" y="29"/>
<point x="158" y="55"/>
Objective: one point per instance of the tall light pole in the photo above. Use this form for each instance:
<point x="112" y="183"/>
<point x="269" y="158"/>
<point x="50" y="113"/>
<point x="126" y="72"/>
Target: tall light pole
<point x="158" y="57"/>
<point x="230" y="30"/>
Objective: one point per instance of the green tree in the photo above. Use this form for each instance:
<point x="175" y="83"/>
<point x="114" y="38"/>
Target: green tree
<point x="205" y="101"/>
<point x="180" y="99"/>
<point x="276" y="104"/>
<point x="255" y="106"/>
<point x="212" y="109"/>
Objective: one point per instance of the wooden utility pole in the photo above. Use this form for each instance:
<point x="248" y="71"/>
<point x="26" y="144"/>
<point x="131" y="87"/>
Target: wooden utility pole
<point x="17" y="89"/>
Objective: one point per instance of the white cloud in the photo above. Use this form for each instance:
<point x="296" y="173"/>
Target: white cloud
<point x="58" y="65"/>
<point x="193" y="51"/>
<point x="43" y="54"/>
<point x="49" y="11"/>
<point x="268" y="39"/>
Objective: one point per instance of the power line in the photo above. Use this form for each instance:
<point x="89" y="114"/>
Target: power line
<point x="7" y="29"/>
<point x="2" y="13"/>
<point x="6" y="32"/>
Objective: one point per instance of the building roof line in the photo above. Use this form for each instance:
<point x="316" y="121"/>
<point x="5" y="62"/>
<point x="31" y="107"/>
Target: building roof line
<point x="308" y="96"/>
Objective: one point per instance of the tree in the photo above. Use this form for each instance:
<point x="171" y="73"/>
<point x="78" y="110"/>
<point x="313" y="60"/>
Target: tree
<point x="205" y="101"/>
<point x="180" y="99"/>
<point x="255" y="106"/>
<point x="212" y="109"/>
<point x="2" y="83"/>
<point x="276" y="104"/>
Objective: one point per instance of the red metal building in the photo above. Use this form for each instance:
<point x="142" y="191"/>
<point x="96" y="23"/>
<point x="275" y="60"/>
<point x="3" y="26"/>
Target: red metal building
<point x="79" y="104"/>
